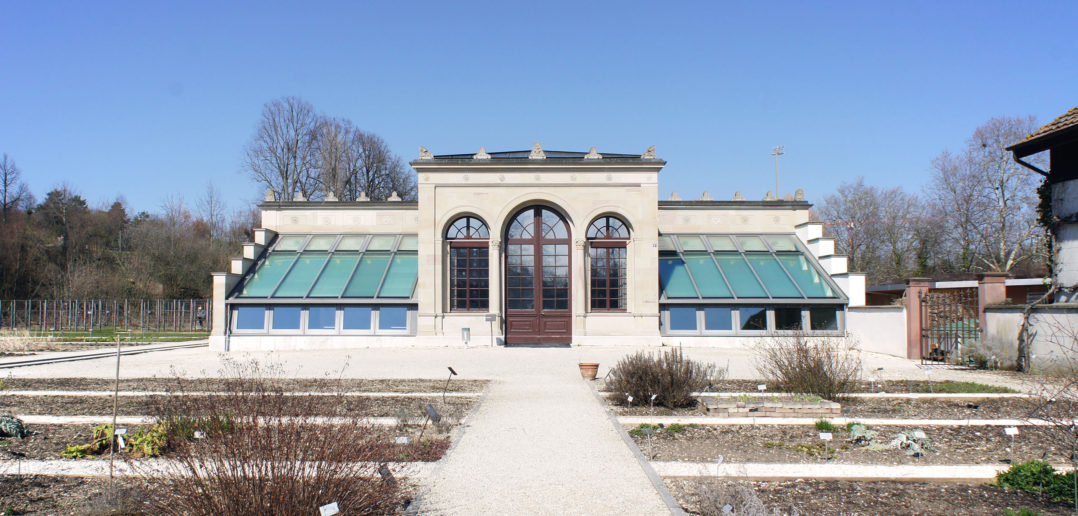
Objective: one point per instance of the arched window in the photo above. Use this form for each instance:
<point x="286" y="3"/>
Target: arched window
<point x="469" y="265"/>
<point x="607" y="238"/>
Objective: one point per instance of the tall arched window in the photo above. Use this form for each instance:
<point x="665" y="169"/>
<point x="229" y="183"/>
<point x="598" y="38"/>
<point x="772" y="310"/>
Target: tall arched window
<point x="469" y="265"/>
<point x="607" y="238"/>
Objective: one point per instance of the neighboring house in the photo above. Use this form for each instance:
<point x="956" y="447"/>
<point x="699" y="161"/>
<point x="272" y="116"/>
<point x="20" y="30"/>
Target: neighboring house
<point x="533" y="247"/>
<point x="1060" y="139"/>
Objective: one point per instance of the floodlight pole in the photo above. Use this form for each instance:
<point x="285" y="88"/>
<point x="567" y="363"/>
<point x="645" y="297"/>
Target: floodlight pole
<point x="115" y="397"/>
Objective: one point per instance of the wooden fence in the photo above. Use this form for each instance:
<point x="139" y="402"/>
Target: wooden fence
<point x="121" y="314"/>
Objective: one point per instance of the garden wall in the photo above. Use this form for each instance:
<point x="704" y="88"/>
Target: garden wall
<point x="1054" y="328"/>
<point x="879" y="329"/>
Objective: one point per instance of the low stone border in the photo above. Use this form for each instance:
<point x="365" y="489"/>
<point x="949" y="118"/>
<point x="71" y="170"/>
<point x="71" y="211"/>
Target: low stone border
<point x="865" y="472"/>
<point x="100" y="468"/>
<point x="33" y="419"/>
<point x="215" y="393"/>
<point x="748" y="407"/>
<point x="701" y="420"/>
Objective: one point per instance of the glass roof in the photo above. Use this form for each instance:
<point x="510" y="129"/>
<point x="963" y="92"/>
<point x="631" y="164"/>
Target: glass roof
<point x="320" y="266"/>
<point x="736" y="267"/>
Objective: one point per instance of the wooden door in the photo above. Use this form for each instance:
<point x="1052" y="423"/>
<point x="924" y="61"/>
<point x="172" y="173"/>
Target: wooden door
<point x="537" y="283"/>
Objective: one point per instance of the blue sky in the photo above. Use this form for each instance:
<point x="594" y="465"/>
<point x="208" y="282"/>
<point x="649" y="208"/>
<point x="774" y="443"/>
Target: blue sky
<point x="150" y="99"/>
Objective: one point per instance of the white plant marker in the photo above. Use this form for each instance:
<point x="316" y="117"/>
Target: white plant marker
<point x="1011" y="431"/>
<point x="919" y="434"/>
<point x="402" y="439"/>
<point x="329" y="509"/>
<point x="199" y="434"/>
<point x="762" y="387"/>
<point x="825" y="436"/>
<point x="630" y="398"/>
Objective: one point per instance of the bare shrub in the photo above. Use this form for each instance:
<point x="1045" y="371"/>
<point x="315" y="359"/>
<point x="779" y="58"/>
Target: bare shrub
<point x="713" y="497"/>
<point x="668" y="375"/>
<point x="260" y="449"/>
<point x="826" y="367"/>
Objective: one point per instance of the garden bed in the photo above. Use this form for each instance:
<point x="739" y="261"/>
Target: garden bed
<point x="834" y="497"/>
<point x="892" y="386"/>
<point x="216" y="384"/>
<point x="45" y="442"/>
<point x="802" y="444"/>
<point x="408" y="407"/>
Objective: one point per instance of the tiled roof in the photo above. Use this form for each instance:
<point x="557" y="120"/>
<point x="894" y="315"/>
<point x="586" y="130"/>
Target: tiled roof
<point x="1065" y="121"/>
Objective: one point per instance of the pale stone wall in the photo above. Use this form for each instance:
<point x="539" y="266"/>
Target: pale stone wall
<point x="879" y="329"/>
<point x="732" y="219"/>
<point x="1064" y="203"/>
<point x="1055" y="336"/>
<point x="340" y="217"/>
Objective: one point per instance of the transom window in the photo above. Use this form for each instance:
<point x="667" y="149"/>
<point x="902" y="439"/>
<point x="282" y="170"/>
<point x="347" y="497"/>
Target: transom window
<point x="607" y="238"/>
<point x="469" y="265"/>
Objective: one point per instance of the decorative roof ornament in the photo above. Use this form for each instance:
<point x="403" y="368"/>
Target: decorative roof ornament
<point x="393" y="197"/>
<point x="799" y="195"/>
<point x="770" y="197"/>
<point x="362" y="196"/>
<point x="674" y="197"/>
<point x="706" y="197"/>
<point x="424" y="153"/>
<point x="537" y="152"/>
<point x="593" y="154"/>
<point x="330" y="197"/>
<point x="482" y="154"/>
<point x="648" y="154"/>
<point x="738" y="196"/>
<point x="299" y="197"/>
<point x="270" y="196"/>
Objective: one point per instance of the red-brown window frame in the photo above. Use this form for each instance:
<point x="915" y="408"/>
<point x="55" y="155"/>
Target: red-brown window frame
<point x="467" y="242"/>
<point x="606" y="241"/>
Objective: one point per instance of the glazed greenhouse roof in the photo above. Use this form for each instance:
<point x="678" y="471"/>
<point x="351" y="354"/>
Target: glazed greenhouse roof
<point x="738" y="268"/>
<point x="335" y="267"/>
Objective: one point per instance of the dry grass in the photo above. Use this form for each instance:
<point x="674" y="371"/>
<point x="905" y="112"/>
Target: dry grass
<point x="826" y="367"/>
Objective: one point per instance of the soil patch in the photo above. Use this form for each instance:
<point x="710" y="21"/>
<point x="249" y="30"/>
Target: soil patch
<point x="924" y="408"/>
<point x="802" y="444"/>
<point x="407" y="407"/>
<point x="45" y="442"/>
<point x="217" y="384"/>
<point x="896" y="386"/>
<point x="853" y="498"/>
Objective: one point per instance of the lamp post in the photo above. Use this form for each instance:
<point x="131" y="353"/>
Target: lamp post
<point x="776" y="152"/>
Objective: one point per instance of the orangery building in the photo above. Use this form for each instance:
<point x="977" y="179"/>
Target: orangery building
<point x="532" y="248"/>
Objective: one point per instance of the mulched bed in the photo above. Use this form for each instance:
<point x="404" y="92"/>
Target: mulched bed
<point x="301" y="405"/>
<point x="215" y="384"/>
<point x="780" y="444"/>
<point x="45" y="442"/>
<point x="988" y="408"/>
<point x="853" y="498"/>
<point x="896" y="386"/>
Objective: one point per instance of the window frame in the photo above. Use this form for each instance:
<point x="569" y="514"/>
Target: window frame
<point x="601" y="239"/>
<point x="735" y="321"/>
<point x="469" y="241"/>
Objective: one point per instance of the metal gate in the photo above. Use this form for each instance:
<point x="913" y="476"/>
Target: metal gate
<point x="950" y="325"/>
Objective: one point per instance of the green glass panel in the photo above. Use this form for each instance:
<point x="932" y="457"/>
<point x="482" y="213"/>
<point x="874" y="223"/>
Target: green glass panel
<point x="401" y="276"/>
<point x="806" y="276"/>
<point x="691" y="243"/>
<point x="774" y="278"/>
<point x="722" y="243"/>
<point x="302" y="274"/>
<point x="781" y="242"/>
<point x="365" y="281"/>
<point x="334" y="277"/>
<point x="409" y="243"/>
<point x="290" y="243"/>
<point x="666" y="244"/>
<point x="674" y="278"/>
<point x="265" y="279"/>
<point x="381" y="242"/>
<point x="740" y="275"/>
<point x="321" y="243"/>
<point x="352" y="243"/>
<point x="707" y="276"/>
<point x="752" y="243"/>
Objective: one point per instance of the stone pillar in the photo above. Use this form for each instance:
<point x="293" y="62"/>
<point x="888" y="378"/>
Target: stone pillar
<point x="578" y="288"/>
<point x="494" y="294"/>
<point x="991" y="289"/>
<point x="915" y="287"/>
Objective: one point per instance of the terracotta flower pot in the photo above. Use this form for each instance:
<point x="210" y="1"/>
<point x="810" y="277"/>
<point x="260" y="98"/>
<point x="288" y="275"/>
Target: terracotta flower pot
<point x="588" y="370"/>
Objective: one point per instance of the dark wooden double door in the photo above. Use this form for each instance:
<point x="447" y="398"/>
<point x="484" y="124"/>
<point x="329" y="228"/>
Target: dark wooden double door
<point x="537" y="278"/>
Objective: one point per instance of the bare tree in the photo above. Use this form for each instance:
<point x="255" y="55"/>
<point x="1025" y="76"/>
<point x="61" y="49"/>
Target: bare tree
<point x="899" y="213"/>
<point x="955" y="189"/>
<point x="335" y="155"/>
<point x="12" y="190"/>
<point x="850" y="215"/>
<point x="375" y="170"/>
<point x="211" y="207"/>
<point x="283" y="153"/>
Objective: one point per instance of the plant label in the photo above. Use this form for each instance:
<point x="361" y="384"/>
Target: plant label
<point x="120" y="441"/>
<point x="761" y="387"/>
<point x="653" y="396"/>
<point x="1011" y="431"/>
<point x="727" y="509"/>
<point x="718" y="461"/>
<point x="630" y="398"/>
<point x="826" y="436"/>
<point x="919" y="434"/>
<point x="402" y="439"/>
<point x="329" y="509"/>
<point x="199" y="434"/>
<point x="121" y="431"/>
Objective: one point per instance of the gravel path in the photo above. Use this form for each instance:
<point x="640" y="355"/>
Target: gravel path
<point x="541" y="444"/>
